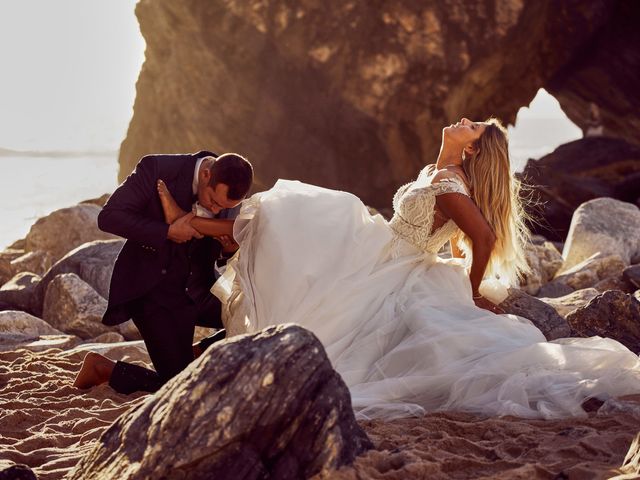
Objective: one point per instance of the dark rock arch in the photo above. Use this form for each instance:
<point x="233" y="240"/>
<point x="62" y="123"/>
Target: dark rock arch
<point x="353" y="95"/>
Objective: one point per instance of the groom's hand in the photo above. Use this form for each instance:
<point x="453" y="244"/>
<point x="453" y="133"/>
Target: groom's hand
<point x="181" y="230"/>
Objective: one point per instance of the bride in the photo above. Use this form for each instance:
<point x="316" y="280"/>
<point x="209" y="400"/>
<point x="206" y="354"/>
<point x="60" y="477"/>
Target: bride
<point x="407" y="331"/>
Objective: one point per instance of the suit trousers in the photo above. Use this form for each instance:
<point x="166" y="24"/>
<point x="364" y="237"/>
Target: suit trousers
<point x="167" y="331"/>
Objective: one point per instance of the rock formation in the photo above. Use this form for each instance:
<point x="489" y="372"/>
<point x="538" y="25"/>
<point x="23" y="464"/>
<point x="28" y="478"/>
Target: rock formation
<point x="602" y="71"/>
<point x="611" y="314"/>
<point x="355" y="96"/>
<point x="92" y="262"/>
<point x="65" y="229"/>
<point x="543" y="316"/>
<point x="71" y="305"/>
<point x="267" y="405"/>
<point x="577" y="172"/>
<point x="605" y="227"/>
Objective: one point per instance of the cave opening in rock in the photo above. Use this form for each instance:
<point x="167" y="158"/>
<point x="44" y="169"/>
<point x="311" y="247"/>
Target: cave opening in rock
<point x="539" y="129"/>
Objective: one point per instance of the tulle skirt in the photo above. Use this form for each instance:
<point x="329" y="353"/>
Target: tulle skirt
<point x="399" y="325"/>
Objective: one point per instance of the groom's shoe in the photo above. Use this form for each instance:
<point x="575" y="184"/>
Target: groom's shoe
<point x="203" y="344"/>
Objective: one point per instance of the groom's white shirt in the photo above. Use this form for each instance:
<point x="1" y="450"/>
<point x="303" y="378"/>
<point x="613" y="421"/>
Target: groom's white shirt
<point x="200" y="211"/>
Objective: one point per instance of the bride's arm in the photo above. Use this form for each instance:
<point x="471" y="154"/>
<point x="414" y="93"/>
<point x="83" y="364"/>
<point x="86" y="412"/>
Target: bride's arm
<point x="470" y="220"/>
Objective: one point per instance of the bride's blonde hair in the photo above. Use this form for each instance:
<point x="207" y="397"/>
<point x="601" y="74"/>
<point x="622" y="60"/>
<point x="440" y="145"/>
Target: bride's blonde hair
<point x="498" y="195"/>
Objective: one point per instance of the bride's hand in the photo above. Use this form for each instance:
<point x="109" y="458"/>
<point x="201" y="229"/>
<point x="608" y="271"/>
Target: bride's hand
<point x="487" y="305"/>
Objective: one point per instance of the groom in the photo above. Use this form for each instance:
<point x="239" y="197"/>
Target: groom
<point x="163" y="274"/>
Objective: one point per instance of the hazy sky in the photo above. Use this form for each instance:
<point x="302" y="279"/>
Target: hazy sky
<point x="68" y="73"/>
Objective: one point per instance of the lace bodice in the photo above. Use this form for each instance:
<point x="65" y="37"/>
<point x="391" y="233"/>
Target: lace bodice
<point x="414" y="210"/>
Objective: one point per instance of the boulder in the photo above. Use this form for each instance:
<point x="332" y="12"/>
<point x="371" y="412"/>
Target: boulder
<point x="93" y="262"/>
<point x="614" y="283"/>
<point x="554" y="290"/>
<point x="620" y="406"/>
<point x="36" y="262"/>
<point x="19" y="244"/>
<point x="130" y="332"/>
<point x="267" y="405"/>
<point x="6" y="257"/>
<point x="543" y="316"/>
<point x="72" y="306"/>
<point x="18" y="291"/>
<point x="605" y="227"/>
<point x="11" y="342"/>
<point x="632" y="275"/>
<point x="65" y="229"/>
<point x="577" y="172"/>
<point x="15" y="471"/>
<point x="611" y="314"/>
<point x="99" y="201"/>
<point x="545" y="260"/>
<point x="108" y="337"/>
<point x="568" y="303"/>
<point x="18" y="322"/>
<point x="591" y="271"/>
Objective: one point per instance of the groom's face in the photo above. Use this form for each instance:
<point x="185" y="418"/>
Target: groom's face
<point x="215" y="198"/>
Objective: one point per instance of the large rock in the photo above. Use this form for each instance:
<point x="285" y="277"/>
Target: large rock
<point x="108" y="337"/>
<point x="6" y="257"/>
<point x="65" y="229"/>
<point x="541" y="315"/>
<point x="21" y="330"/>
<point x="632" y="275"/>
<point x="36" y="262"/>
<point x="15" y="471"/>
<point x="15" y="341"/>
<point x="361" y="91"/>
<point x="568" y="303"/>
<point x="577" y="172"/>
<point x="603" y="226"/>
<point x="258" y="406"/>
<point x="19" y="291"/>
<point x="72" y="306"/>
<point x="18" y="322"/>
<point x="93" y="262"/>
<point x="545" y="260"/>
<point x="592" y="271"/>
<point x="611" y="314"/>
<point x="602" y="74"/>
<point x="614" y="283"/>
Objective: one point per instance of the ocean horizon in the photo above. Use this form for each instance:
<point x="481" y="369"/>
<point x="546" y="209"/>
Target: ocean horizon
<point x="33" y="187"/>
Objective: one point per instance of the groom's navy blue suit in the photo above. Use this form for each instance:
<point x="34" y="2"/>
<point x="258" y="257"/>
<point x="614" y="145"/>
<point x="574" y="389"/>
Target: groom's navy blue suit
<point x="162" y="285"/>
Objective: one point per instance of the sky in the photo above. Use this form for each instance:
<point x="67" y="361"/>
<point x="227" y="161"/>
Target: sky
<point x="68" y="73"/>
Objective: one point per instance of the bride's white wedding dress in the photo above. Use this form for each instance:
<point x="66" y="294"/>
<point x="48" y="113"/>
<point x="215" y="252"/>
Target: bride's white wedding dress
<point x="398" y="323"/>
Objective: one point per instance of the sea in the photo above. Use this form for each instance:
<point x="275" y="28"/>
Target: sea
<point x="32" y="187"/>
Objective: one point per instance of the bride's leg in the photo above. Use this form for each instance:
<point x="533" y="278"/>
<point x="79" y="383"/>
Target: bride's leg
<point x="172" y="210"/>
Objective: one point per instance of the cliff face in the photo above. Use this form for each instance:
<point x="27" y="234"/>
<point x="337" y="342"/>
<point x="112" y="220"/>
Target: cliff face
<point x="353" y="95"/>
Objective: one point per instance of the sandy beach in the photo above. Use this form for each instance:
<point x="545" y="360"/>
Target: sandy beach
<point x="49" y="425"/>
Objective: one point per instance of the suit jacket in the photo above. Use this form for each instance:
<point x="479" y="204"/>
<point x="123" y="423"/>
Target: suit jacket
<point x="134" y="212"/>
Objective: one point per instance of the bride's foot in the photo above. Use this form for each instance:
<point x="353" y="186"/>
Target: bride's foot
<point x="172" y="210"/>
<point x="96" y="369"/>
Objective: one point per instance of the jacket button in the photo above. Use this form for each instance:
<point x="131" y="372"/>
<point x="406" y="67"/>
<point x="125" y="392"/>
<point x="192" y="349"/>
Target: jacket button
<point x="186" y="289"/>
<point x="163" y="271"/>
